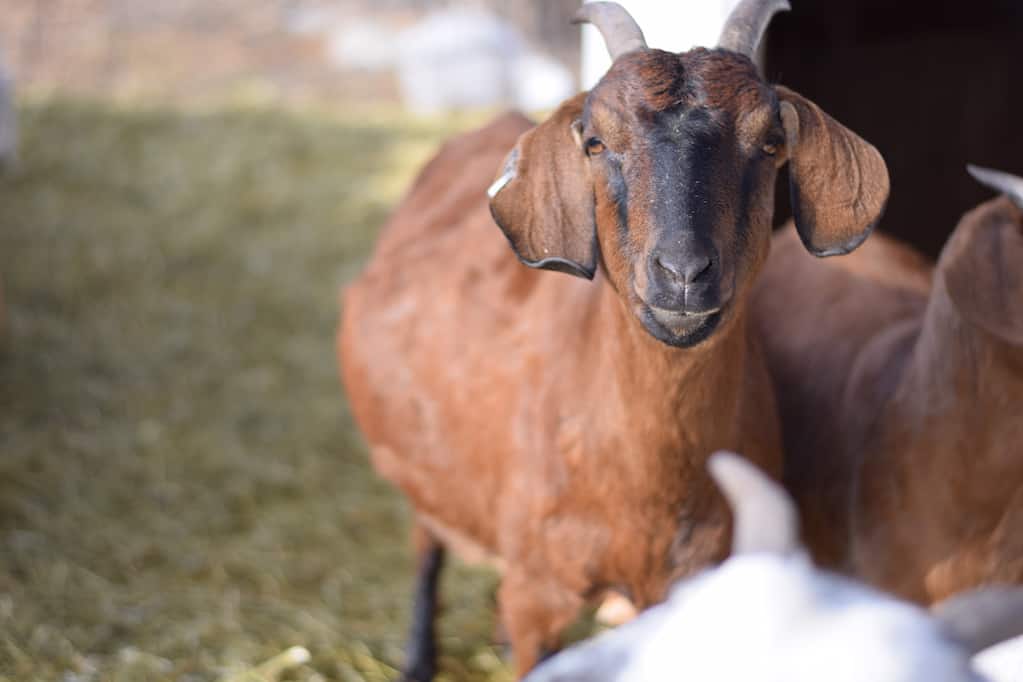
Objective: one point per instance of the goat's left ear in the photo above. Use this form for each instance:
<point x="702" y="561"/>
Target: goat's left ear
<point x="543" y="198"/>
<point x="838" y="182"/>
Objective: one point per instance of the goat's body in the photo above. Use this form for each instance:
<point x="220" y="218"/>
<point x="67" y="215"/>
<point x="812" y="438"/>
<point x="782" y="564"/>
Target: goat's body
<point x="815" y="316"/>
<point x="528" y="415"/>
<point x="561" y="426"/>
<point x="897" y="418"/>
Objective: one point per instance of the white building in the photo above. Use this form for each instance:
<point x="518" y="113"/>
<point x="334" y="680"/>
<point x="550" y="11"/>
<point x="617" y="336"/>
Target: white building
<point x="674" y="25"/>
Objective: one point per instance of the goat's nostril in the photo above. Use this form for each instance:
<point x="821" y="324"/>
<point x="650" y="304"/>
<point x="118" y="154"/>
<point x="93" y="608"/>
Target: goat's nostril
<point x="669" y="267"/>
<point x="686" y="271"/>
<point x="694" y="268"/>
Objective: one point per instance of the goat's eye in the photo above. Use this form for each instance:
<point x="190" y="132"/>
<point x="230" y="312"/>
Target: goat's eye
<point x="770" y="149"/>
<point x="594" y="146"/>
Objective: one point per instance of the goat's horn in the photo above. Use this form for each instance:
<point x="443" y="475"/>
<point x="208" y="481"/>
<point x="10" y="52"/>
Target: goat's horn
<point x="983" y="617"/>
<point x="621" y="32"/>
<point x="747" y="23"/>
<point x="1005" y="183"/>
<point x="765" y="516"/>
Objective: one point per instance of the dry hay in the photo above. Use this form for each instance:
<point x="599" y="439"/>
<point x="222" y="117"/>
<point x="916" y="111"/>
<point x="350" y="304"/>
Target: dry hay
<point x="182" y="495"/>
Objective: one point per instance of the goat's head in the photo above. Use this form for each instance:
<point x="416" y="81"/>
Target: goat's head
<point x="664" y="173"/>
<point x="982" y="264"/>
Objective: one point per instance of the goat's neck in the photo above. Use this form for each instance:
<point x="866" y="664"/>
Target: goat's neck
<point x="661" y="411"/>
<point x="961" y="369"/>
<point x="676" y="391"/>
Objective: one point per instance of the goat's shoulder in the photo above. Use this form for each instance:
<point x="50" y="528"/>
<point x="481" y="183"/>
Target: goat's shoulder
<point x="491" y="142"/>
<point x="807" y="307"/>
<point x="442" y="226"/>
<point x="450" y="192"/>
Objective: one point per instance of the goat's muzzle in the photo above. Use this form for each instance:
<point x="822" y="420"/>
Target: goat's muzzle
<point x="682" y="297"/>
<point x="687" y="284"/>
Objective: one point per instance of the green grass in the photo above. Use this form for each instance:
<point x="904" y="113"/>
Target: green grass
<point x="182" y="492"/>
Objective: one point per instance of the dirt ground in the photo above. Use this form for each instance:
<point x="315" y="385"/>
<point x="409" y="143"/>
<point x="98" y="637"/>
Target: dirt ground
<point x="182" y="494"/>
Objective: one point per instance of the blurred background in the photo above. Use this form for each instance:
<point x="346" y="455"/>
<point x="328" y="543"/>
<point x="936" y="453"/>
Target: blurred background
<point x="187" y="183"/>
<point x="341" y="52"/>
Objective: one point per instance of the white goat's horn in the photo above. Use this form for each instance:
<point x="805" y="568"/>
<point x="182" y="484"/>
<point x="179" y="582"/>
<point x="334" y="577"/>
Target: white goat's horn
<point x="1007" y="184"/>
<point x="746" y="25"/>
<point x="983" y="617"/>
<point x="621" y="32"/>
<point x="765" y="516"/>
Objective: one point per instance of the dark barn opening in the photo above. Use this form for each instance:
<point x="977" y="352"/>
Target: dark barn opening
<point x="933" y="84"/>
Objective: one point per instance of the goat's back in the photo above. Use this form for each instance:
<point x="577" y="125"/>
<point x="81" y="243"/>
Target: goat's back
<point x="445" y="322"/>
<point x="451" y="187"/>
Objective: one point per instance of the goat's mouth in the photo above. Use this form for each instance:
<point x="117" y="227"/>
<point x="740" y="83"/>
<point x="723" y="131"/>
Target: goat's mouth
<point x="680" y="328"/>
<point x="674" y="318"/>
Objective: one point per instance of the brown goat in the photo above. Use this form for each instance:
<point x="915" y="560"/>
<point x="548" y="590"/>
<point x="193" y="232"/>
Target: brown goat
<point x="559" y="426"/>
<point x="914" y="392"/>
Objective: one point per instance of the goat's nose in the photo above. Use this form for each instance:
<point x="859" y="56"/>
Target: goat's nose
<point x="684" y="270"/>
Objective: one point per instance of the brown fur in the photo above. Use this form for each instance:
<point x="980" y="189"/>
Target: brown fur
<point x="900" y="403"/>
<point x="534" y="418"/>
<point x="561" y="430"/>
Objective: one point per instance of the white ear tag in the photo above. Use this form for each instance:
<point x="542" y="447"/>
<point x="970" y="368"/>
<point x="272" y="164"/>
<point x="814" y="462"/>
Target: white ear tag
<point x="510" y="166"/>
<point x="499" y="184"/>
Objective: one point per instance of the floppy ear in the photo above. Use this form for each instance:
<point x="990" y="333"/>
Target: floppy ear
<point x="838" y="182"/>
<point x="543" y="199"/>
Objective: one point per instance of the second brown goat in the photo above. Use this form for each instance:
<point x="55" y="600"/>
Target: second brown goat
<point x="560" y="426"/>
<point x="900" y="388"/>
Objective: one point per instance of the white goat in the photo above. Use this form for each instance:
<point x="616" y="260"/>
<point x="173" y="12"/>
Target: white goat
<point x="768" y="615"/>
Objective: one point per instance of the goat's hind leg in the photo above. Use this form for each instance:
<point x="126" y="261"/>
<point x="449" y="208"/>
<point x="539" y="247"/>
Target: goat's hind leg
<point x="421" y="651"/>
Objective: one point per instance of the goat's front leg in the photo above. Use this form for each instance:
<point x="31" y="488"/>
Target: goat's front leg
<point x="421" y="651"/>
<point x="535" y="611"/>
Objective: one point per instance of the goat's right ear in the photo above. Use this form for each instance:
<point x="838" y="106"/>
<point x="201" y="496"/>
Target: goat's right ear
<point x="765" y="516"/>
<point x="543" y="199"/>
<point x="838" y="181"/>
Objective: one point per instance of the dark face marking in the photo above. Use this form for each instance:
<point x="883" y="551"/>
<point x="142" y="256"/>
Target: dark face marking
<point x="683" y="184"/>
<point x="618" y="192"/>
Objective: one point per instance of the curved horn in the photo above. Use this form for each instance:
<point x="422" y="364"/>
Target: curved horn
<point x="747" y="23"/>
<point x="982" y="618"/>
<point x="1009" y="185"/>
<point x="621" y="32"/>
<point x="765" y="516"/>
